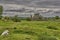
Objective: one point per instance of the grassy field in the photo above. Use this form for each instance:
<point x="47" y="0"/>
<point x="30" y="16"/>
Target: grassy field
<point x="31" y="30"/>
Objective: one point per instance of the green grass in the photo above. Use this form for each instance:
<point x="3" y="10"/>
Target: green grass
<point x="31" y="30"/>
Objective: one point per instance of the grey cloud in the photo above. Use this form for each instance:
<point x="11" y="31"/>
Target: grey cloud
<point x="33" y="2"/>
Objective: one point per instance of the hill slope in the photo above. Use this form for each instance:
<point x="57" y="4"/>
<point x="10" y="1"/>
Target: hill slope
<point x="31" y="30"/>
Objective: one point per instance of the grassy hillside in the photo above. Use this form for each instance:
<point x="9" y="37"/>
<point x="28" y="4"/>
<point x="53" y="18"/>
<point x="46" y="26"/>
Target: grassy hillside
<point x="31" y="30"/>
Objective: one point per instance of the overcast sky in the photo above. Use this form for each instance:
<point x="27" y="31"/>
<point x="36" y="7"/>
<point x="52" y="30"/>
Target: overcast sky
<point x="32" y="2"/>
<point x="35" y="3"/>
<point x="8" y="4"/>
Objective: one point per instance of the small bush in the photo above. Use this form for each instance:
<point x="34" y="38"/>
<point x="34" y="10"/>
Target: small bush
<point x="52" y="27"/>
<point x="57" y="17"/>
<point x="6" y="18"/>
<point x="15" y="28"/>
<point x="1" y="10"/>
<point x="16" y="19"/>
<point x="28" y="19"/>
<point x="0" y="17"/>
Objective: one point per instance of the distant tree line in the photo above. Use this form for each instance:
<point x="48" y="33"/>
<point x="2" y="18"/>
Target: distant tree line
<point x="36" y="17"/>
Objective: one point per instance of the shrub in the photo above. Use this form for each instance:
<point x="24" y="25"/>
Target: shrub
<point x="0" y="17"/>
<point x="6" y="18"/>
<point x="52" y="27"/>
<point x="15" y="28"/>
<point x="57" y="17"/>
<point x="16" y="19"/>
<point x="28" y="19"/>
<point x="1" y="10"/>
